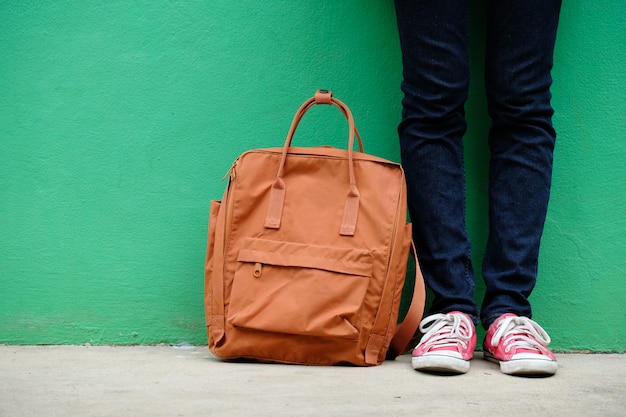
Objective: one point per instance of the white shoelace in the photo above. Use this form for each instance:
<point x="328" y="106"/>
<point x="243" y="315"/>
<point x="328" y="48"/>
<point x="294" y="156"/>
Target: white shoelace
<point x="520" y="332"/>
<point x="442" y="330"/>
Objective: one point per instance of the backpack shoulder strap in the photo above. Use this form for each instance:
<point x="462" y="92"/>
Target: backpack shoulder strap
<point x="407" y="332"/>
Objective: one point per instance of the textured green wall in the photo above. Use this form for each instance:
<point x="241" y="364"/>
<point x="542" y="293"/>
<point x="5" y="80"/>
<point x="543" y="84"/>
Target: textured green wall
<point x="118" y="119"/>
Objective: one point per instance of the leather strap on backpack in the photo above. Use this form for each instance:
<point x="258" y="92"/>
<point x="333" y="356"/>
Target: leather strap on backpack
<point x="277" y="192"/>
<point x="406" y="333"/>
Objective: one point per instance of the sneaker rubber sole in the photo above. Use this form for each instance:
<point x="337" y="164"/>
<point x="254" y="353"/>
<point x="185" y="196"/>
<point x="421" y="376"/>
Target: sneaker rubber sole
<point x="440" y="364"/>
<point x="533" y="366"/>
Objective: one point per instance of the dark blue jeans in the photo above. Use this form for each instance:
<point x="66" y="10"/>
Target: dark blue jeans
<point x="519" y="56"/>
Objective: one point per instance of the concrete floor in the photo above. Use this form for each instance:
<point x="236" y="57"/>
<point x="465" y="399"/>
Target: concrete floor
<point x="188" y="381"/>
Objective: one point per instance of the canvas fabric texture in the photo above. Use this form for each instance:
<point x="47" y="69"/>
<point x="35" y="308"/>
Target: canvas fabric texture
<point x="307" y="255"/>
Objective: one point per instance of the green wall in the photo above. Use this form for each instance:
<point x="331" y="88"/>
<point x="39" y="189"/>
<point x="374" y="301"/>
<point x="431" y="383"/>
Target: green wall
<point x="118" y="120"/>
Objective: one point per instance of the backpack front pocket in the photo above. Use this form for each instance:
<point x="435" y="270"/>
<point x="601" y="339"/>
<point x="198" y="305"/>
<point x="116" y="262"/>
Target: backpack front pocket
<point x="301" y="289"/>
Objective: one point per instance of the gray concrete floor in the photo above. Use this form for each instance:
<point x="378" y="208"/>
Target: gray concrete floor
<point x="189" y="381"/>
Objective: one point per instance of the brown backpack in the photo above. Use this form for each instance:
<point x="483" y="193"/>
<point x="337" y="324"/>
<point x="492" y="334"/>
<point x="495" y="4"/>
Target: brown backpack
<point x="307" y="256"/>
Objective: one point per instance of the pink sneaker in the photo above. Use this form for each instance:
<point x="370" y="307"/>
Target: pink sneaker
<point x="447" y="345"/>
<point x="520" y="346"/>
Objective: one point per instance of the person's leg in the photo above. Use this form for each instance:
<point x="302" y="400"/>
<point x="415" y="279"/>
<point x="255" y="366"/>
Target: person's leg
<point x="519" y="57"/>
<point x="434" y="42"/>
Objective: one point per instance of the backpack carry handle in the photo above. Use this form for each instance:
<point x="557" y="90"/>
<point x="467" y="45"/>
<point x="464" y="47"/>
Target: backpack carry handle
<point x="324" y="97"/>
<point x="277" y="191"/>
